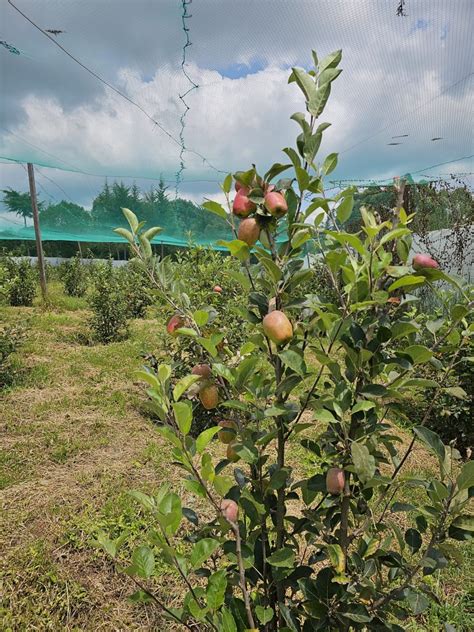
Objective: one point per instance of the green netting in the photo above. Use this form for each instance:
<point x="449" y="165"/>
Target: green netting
<point x="132" y="91"/>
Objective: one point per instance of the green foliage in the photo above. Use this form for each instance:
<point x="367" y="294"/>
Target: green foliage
<point x="136" y="288"/>
<point x="18" y="203"/>
<point x="327" y="551"/>
<point x="11" y="338"/>
<point x="74" y="276"/>
<point x="107" y="301"/>
<point x="21" y="282"/>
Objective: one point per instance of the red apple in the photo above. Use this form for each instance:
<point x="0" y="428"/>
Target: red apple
<point x="204" y="370"/>
<point x="276" y="204"/>
<point x="277" y="327"/>
<point x="228" y="432"/>
<point x="249" y="231"/>
<point x="335" y="480"/>
<point x="175" y="322"/>
<point x="242" y="205"/>
<point x="424" y="261"/>
<point x="209" y="396"/>
<point x="217" y="289"/>
<point x="242" y="189"/>
<point x="230" y="510"/>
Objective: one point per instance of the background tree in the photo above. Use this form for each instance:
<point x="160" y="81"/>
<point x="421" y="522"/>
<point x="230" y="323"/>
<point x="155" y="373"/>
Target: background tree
<point x="19" y="203"/>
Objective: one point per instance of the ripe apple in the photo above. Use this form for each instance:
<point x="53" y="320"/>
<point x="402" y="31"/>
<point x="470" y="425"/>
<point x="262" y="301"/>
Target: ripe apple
<point x="277" y="327"/>
<point x="204" y="370"/>
<point x="217" y="289"/>
<point x="249" y="231"/>
<point x="335" y="480"/>
<point x="241" y="188"/>
<point x="424" y="261"/>
<point x="276" y="204"/>
<point x="209" y="396"/>
<point x="230" y="509"/>
<point x="232" y="454"/>
<point x="175" y="322"/>
<point x="228" y="432"/>
<point x="242" y="205"/>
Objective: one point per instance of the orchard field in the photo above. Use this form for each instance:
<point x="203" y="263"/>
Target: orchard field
<point x="75" y="439"/>
<point x="274" y="439"/>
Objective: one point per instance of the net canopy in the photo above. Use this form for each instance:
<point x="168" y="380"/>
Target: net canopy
<point x="108" y="98"/>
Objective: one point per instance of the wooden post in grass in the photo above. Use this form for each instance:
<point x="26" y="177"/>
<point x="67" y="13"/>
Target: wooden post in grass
<point x="39" y="245"/>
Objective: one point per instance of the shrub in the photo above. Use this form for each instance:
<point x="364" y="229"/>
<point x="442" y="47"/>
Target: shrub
<point x="267" y="546"/>
<point x="22" y="282"/>
<point x="109" y="319"/>
<point x="74" y="276"/>
<point x="11" y="338"/>
<point x="136" y="289"/>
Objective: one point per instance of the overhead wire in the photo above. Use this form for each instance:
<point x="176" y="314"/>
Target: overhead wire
<point x="114" y="89"/>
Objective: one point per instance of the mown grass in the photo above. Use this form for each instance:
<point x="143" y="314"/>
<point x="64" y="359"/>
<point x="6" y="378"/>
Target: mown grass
<point x="73" y="443"/>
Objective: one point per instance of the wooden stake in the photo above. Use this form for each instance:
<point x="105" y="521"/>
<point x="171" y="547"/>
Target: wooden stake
<point x="39" y="245"/>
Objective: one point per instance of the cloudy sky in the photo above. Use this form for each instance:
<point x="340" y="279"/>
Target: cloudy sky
<point x="403" y="76"/>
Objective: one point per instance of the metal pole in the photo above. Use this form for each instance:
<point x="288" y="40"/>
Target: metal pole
<point x="39" y="245"/>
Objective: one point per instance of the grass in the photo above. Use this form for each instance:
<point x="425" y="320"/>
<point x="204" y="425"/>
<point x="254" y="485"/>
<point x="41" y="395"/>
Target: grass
<point x="73" y="443"/>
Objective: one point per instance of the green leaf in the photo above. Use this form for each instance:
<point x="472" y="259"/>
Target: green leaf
<point x="294" y="361"/>
<point x="466" y="523"/>
<point x="143" y="562"/>
<point x="336" y="557"/>
<point x="126" y="234"/>
<point x="223" y="484"/>
<point x="456" y="391"/>
<point x="149" y="378"/>
<point x="201" y="317"/>
<point x="202" y="550"/>
<point x="275" y="170"/>
<point x="237" y="248"/>
<point x="417" y="602"/>
<point x="170" y="513"/>
<point x="283" y="558"/>
<point x="348" y="238"/>
<point x="419" y="353"/>
<point x="374" y="390"/>
<point x="106" y="543"/>
<point x="215" y="592"/>
<point x="151" y="232"/>
<point x="215" y="207"/>
<point x="394" y="234"/>
<point x="330" y="163"/>
<point x="410" y="279"/>
<point x="300" y="237"/>
<point x="148" y="502"/>
<point x="290" y="618"/>
<point x="228" y="622"/>
<point x="364" y="405"/>
<point x="431" y="440"/>
<point x="330" y="61"/>
<point x="264" y="615"/>
<point x="183" y="385"/>
<point x="466" y="476"/>
<point x="205" y="437"/>
<point x="344" y="209"/>
<point x="227" y="184"/>
<point x="131" y="219"/>
<point x="364" y="462"/>
<point x="305" y="82"/>
<point x="183" y="413"/>
<point x="413" y="539"/>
